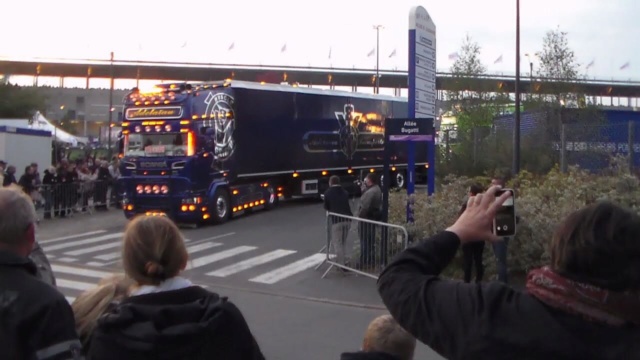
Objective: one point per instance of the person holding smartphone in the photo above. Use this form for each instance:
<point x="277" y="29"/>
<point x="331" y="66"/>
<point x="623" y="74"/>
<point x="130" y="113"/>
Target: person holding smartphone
<point x="584" y="305"/>
<point x="500" y="248"/>
<point x="472" y="252"/>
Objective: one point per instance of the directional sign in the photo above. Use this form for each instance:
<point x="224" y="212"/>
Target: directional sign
<point x="422" y="65"/>
<point x="409" y="129"/>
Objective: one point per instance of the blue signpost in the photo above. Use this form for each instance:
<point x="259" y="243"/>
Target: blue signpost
<point x="410" y="130"/>
<point x="422" y="92"/>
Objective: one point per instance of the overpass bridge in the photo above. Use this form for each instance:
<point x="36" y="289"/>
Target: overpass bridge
<point x="332" y="77"/>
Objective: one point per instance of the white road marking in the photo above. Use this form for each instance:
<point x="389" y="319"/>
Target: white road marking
<point x="200" y="247"/>
<point x="79" y="271"/>
<point x="81" y="242"/>
<point x="93" y="249"/>
<point x="284" y="272"/>
<point x="75" y="285"/>
<point x="67" y="259"/>
<point x="249" y="263"/>
<point x="208" y="259"/>
<point x="72" y="236"/>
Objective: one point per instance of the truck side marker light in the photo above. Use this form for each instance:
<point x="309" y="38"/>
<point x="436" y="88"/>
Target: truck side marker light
<point x="235" y="192"/>
<point x="372" y="170"/>
<point x="280" y="194"/>
<point x="192" y="208"/>
<point x="279" y="188"/>
<point x="184" y="122"/>
<point x="204" y="209"/>
<point x="393" y="168"/>
<point x="324" y="173"/>
<point x="205" y="216"/>
<point x="349" y="171"/>
<point x="262" y="201"/>
<point x="235" y="209"/>
<point x="184" y="208"/>
<point x="129" y="207"/>
<point x="246" y="206"/>
<point x="295" y="174"/>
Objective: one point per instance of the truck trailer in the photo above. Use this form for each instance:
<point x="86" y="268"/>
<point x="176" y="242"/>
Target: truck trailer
<point x="210" y="151"/>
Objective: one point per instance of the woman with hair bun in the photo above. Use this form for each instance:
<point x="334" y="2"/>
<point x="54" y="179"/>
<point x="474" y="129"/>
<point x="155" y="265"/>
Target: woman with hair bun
<point x="165" y="315"/>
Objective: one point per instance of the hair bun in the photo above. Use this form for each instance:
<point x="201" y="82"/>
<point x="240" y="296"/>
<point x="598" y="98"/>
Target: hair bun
<point x="154" y="269"/>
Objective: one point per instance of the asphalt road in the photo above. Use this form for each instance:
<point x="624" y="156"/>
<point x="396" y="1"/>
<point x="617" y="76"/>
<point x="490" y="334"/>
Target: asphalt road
<point x="265" y="262"/>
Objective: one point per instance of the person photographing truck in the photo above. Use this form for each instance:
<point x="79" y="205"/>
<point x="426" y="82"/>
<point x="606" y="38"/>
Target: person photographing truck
<point x="370" y="209"/>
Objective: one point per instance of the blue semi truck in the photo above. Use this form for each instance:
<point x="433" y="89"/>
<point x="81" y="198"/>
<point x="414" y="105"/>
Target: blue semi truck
<point x="208" y="152"/>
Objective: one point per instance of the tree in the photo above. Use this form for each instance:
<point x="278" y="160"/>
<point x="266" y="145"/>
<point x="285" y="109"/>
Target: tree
<point x="474" y="111"/>
<point x="559" y="69"/>
<point x="19" y="103"/>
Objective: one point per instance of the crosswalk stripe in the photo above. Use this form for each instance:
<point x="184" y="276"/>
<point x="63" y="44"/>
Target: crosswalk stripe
<point x="201" y="247"/>
<point x="79" y="271"/>
<point x="72" y="236"/>
<point x="93" y="249"/>
<point x="249" y="263"/>
<point x="70" y="299"/>
<point x="208" y="259"/>
<point x="109" y="256"/>
<point x="75" y="285"/>
<point x="284" y="272"/>
<point x="81" y="242"/>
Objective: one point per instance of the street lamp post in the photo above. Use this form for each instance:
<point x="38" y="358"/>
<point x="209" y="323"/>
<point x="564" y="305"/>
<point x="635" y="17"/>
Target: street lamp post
<point x="110" y="107"/>
<point x="377" y="28"/>
<point x="516" y="125"/>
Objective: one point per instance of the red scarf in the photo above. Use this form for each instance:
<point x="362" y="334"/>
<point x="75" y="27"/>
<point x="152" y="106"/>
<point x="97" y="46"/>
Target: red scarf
<point x="591" y="302"/>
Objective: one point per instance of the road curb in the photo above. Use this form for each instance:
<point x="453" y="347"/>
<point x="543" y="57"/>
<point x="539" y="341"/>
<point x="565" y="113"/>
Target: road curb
<point x="300" y="297"/>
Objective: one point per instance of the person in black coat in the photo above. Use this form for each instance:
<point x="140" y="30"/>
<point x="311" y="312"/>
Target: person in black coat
<point x="336" y="200"/>
<point x="585" y="305"/>
<point x="165" y="315"/>
<point x="472" y="252"/>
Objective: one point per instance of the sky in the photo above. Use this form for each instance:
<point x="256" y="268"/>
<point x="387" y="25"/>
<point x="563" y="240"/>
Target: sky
<point x="603" y="32"/>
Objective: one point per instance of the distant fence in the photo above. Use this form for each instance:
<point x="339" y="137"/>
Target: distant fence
<point x="78" y="197"/>
<point x="564" y="137"/>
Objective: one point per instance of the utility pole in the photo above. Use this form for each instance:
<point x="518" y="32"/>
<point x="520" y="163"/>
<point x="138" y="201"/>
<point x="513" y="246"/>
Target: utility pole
<point x="377" y="28"/>
<point x="516" y="124"/>
<point x="110" y="107"/>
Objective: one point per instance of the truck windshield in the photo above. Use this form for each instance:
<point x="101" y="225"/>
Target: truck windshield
<point x="156" y="145"/>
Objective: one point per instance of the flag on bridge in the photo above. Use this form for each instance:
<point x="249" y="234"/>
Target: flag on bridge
<point x="284" y="48"/>
<point x="233" y="44"/>
<point x="393" y="53"/>
<point x="371" y="53"/>
<point x="453" y="56"/>
<point x="589" y="65"/>
<point x="625" y="66"/>
<point x="184" y="45"/>
<point x="330" y="52"/>
<point x="498" y="60"/>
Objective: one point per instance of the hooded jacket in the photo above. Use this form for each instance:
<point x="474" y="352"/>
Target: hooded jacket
<point x="189" y="323"/>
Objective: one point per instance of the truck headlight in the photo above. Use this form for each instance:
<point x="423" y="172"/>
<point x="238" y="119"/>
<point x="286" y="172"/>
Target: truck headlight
<point x="164" y="189"/>
<point x="139" y="189"/>
<point x="147" y="189"/>
<point x="156" y="189"/>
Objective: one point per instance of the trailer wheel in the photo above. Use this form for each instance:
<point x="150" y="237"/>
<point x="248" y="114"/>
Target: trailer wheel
<point x="221" y="206"/>
<point x="400" y="180"/>
<point x="272" y="200"/>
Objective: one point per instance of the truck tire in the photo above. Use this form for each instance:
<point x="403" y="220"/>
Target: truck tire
<point x="400" y="180"/>
<point x="272" y="200"/>
<point x="221" y="206"/>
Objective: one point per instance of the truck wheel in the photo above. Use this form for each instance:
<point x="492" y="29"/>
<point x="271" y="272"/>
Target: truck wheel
<point x="400" y="180"/>
<point x="272" y="200"/>
<point x="221" y="206"/>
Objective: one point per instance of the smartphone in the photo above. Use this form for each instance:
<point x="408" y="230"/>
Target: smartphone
<point x="504" y="224"/>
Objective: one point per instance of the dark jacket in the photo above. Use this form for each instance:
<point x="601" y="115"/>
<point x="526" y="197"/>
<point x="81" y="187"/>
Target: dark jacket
<point x="363" y="355"/>
<point x="27" y="183"/>
<point x="36" y="321"/>
<point x="185" y="324"/>
<point x="371" y="203"/>
<point x="488" y="321"/>
<point x="336" y="200"/>
<point x="9" y="179"/>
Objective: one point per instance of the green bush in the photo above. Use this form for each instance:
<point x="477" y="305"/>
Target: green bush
<point x="541" y="203"/>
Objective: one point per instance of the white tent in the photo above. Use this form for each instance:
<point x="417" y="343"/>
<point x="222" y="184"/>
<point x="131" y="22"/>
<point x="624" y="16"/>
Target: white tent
<point x="39" y="122"/>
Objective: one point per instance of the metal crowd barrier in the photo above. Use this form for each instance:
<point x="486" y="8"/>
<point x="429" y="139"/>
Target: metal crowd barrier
<point x="361" y="246"/>
<point x="67" y="199"/>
